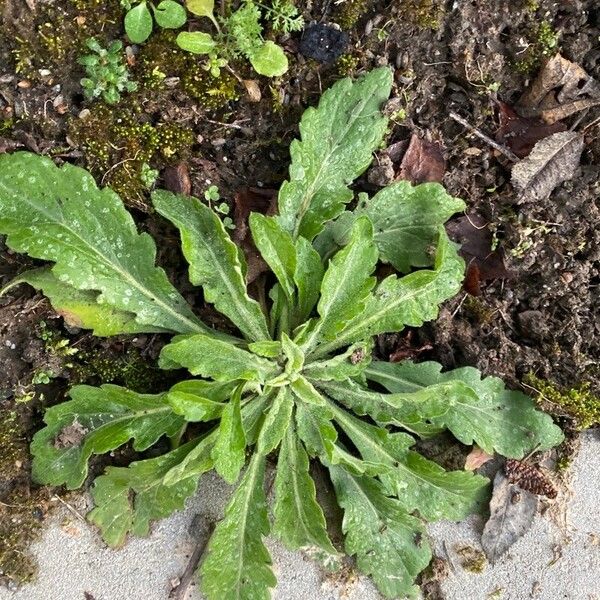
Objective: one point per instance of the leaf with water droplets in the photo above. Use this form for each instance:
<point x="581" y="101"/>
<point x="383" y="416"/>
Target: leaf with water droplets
<point x="60" y="215"/>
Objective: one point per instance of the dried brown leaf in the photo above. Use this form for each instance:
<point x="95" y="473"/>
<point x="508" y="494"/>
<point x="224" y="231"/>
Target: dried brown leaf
<point x="552" y="115"/>
<point x="422" y="162"/>
<point x="251" y="85"/>
<point x="552" y="161"/>
<point x="177" y="179"/>
<point x="511" y="514"/>
<point x="520" y="134"/>
<point x="477" y="458"/>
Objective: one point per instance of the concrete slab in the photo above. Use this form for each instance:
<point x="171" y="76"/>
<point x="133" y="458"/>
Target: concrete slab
<point x="549" y="563"/>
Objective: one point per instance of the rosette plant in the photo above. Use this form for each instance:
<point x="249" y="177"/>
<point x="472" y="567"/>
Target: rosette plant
<point x="296" y="381"/>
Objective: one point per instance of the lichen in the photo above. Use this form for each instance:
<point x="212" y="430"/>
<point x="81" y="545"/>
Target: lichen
<point x="579" y="403"/>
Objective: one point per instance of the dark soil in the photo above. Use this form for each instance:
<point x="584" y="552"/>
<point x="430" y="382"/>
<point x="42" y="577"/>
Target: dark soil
<point x="539" y="316"/>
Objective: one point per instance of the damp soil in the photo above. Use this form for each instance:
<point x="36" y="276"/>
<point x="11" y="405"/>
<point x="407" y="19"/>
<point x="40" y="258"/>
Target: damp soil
<point x="540" y="315"/>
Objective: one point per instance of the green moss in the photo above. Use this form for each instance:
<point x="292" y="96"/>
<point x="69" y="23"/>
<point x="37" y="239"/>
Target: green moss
<point x="478" y="310"/>
<point x="349" y="13"/>
<point x="12" y="444"/>
<point x="426" y="14"/>
<point x="211" y="92"/>
<point x="119" y="145"/>
<point x="472" y="559"/>
<point x="346" y="65"/>
<point x="129" y="370"/>
<point x="542" y="43"/>
<point x="579" y="403"/>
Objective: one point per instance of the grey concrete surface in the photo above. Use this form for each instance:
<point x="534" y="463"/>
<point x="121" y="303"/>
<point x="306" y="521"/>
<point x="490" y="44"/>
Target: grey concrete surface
<point x="555" y="560"/>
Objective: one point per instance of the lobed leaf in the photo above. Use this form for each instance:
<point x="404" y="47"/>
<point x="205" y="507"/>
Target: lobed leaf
<point x="128" y="499"/>
<point x="60" y="215"/>
<point x="198" y="400"/>
<point x="80" y="308"/>
<point x="348" y="365"/>
<point x="209" y="357"/>
<point x="215" y="263"/>
<point x="387" y="542"/>
<point x="96" y="421"/>
<point x="494" y="418"/>
<point x="337" y="139"/>
<point x="298" y="519"/>
<point x="409" y="300"/>
<point x="237" y="565"/>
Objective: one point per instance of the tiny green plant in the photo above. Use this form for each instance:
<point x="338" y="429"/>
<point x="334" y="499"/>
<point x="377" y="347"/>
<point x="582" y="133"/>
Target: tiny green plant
<point x="106" y="70"/>
<point x="295" y="380"/>
<point x="141" y="16"/>
<point x="240" y="34"/>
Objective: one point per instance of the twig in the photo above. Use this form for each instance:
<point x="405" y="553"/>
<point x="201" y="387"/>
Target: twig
<point x="70" y="508"/>
<point x="486" y="138"/>
<point x="187" y="578"/>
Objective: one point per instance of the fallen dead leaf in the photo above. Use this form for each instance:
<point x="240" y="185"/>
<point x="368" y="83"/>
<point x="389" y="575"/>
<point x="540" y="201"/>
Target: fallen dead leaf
<point x="552" y="161"/>
<point x="7" y="145"/>
<point x="520" y="134"/>
<point x="552" y="115"/>
<point x="177" y="179"/>
<point x="422" y="162"/>
<point x="251" y="85"/>
<point x="512" y="511"/>
<point x="476" y="458"/>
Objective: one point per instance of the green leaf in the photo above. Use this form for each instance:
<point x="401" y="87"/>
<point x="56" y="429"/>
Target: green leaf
<point x="138" y="23"/>
<point x="337" y="139"/>
<point x="170" y="14"/>
<point x="409" y="300"/>
<point x="277" y="248"/>
<point x="237" y="566"/>
<point x="306" y="392"/>
<point x="349" y="365"/>
<point x="202" y="8"/>
<point x="298" y="519"/>
<point x="269" y="60"/>
<point x="387" y="542"/>
<point x="494" y="418"/>
<point x="308" y="276"/>
<point x="268" y="348"/>
<point x="208" y="357"/>
<point x="80" y="308"/>
<point x="59" y="215"/>
<point x="418" y="483"/>
<point x="229" y="451"/>
<point x="196" y="42"/>
<point x="293" y="353"/>
<point x="128" y="499"/>
<point x="315" y="428"/>
<point x="406" y="222"/>
<point x="96" y="421"/>
<point x="214" y="261"/>
<point x="198" y="400"/>
<point x="346" y="285"/>
<point x="276" y="422"/>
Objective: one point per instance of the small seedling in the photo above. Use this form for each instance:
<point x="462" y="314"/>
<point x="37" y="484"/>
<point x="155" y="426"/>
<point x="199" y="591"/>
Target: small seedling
<point x="106" y="70"/>
<point x="296" y="380"/>
<point x="140" y="19"/>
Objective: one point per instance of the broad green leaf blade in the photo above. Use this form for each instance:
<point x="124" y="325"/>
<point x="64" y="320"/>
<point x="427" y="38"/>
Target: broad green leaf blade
<point x="276" y="422"/>
<point x="387" y="542"/>
<point x="346" y="285"/>
<point x="277" y="248"/>
<point x="196" y="42"/>
<point x="128" y="499"/>
<point x="170" y="14"/>
<point x="198" y="400"/>
<point x="306" y="392"/>
<point x="268" y="349"/>
<point x="409" y="300"/>
<point x="59" y="215"/>
<point x="406" y="221"/>
<point x="349" y="365"/>
<point x="229" y="452"/>
<point x="298" y="519"/>
<point x="96" y="421"/>
<point x="418" y="483"/>
<point x="337" y="139"/>
<point x="315" y="428"/>
<point x="138" y="23"/>
<point x="403" y="409"/>
<point x="202" y="8"/>
<point x="307" y="277"/>
<point x="214" y="261"/>
<point x="494" y="418"/>
<point x="208" y="357"/>
<point x="80" y="308"/>
<point x="269" y="60"/>
<point x="238" y="565"/>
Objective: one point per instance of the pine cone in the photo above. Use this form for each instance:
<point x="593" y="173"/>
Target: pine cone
<point x="530" y="478"/>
